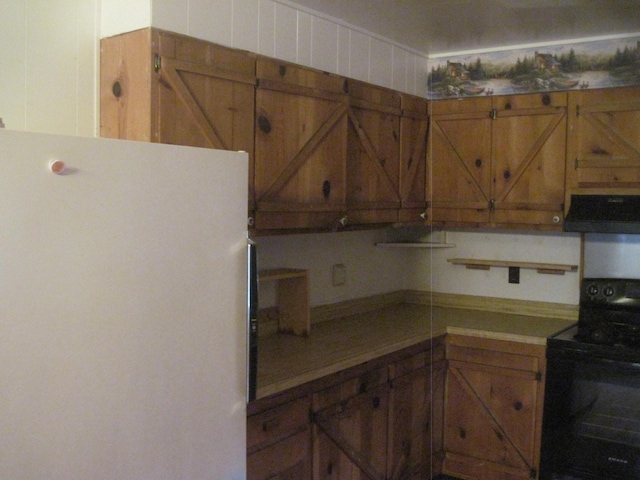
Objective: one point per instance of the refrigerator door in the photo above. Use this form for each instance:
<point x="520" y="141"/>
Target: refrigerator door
<point x="122" y="310"/>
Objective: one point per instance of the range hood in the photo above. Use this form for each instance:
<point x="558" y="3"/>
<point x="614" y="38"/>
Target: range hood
<point x="603" y="214"/>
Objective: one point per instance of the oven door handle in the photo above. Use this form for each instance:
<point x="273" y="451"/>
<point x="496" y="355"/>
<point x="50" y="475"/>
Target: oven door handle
<point x="630" y="361"/>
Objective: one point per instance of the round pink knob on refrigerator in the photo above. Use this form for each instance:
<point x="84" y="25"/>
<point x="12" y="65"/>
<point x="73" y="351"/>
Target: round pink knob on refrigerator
<point x="57" y="167"/>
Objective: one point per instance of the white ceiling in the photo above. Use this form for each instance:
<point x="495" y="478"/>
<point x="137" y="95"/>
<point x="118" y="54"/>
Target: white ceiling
<point x="445" y="26"/>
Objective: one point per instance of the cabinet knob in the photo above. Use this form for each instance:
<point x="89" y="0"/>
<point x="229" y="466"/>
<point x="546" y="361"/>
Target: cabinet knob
<point x="376" y="402"/>
<point x="556" y="219"/>
<point x="463" y="433"/>
<point x="251" y="221"/>
<point x="506" y="174"/>
<point x="546" y="99"/>
<point x="343" y="221"/>
<point x="326" y="189"/>
<point x="518" y="406"/>
<point x="270" y="424"/>
<point x="478" y="162"/>
<point x="424" y="216"/>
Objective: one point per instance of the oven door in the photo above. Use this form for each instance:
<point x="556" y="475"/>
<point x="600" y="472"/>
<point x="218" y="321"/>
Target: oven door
<point x="591" y="424"/>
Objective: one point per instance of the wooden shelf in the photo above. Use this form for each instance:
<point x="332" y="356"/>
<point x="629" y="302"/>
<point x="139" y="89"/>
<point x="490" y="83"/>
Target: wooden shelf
<point x="292" y="292"/>
<point x="280" y="274"/>
<point x="415" y="245"/>
<point x="548" y="268"/>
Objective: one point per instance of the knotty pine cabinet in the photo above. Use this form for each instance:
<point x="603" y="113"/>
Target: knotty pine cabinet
<point x="414" y="132"/>
<point x="497" y="161"/>
<point x="416" y="406"/>
<point x="279" y="442"/>
<point x="603" y="151"/>
<point x="381" y="420"/>
<point x="493" y="408"/>
<point x="300" y="147"/>
<point x="351" y="428"/>
<point x="373" y="154"/>
<point x="164" y="87"/>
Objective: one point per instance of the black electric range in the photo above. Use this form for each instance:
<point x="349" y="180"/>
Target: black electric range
<point x="591" y="423"/>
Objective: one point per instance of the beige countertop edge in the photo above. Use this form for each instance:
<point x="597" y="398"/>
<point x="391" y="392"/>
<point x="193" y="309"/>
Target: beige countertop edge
<point x="315" y="374"/>
<point x="511" y="337"/>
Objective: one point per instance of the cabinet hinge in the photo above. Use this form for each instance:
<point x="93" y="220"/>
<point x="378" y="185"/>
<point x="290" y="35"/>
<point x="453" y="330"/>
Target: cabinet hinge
<point x="493" y="113"/>
<point x="157" y="63"/>
<point x="577" y="110"/>
<point x="492" y="205"/>
<point x="539" y="376"/>
<point x="575" y="165"/>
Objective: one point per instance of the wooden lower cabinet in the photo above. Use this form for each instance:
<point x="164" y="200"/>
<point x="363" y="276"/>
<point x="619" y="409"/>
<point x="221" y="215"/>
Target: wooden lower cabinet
<point x="415" y="417"/>
<point x="351" y="429"/>
<point x="493" y="408"/>
<point x="474" y="414"/>
<point x="377" y="421"/>
<point x="279" y="442"/>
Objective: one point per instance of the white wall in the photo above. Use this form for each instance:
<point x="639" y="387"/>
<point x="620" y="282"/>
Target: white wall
<point x="278" y="29"/>
<point x="370" y="270"/>
<point x="48" y="58"/>
<point x="555" y="248"/>
<point x="49" y="50"/>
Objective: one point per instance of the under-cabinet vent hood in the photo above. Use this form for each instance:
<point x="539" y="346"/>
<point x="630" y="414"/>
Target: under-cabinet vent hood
<point x="603" y="214"/>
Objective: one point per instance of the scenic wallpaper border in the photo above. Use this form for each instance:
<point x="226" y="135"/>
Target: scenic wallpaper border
<point x="590" y="64"/>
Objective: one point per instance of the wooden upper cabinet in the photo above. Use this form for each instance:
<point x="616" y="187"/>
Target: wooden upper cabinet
<point x="164" y="87"/>
<point x="529" y="145"/>
<point x="414" y="132"/>
<point x="301" y="145"/>
<point x="460" y="161"/>
<point x="373" y="154"/>
<point x="499" y="161"/>
<point x="603" y="151"/>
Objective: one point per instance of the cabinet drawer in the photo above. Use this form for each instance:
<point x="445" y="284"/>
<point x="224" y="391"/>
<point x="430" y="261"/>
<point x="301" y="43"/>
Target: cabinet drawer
<point x="416" y="362"/>
<point x="363" y="383"/>
<point x="270" y="426"/>
<point x="494" y="359"/>
<point x="289" y="459"/>
<point x="496" y="353"/>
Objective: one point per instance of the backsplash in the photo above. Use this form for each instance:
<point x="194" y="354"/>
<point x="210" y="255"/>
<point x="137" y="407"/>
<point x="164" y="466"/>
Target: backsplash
<point x="609" y="255"/>
<point x="372" y="270"/>
<point x="369" y="270"/>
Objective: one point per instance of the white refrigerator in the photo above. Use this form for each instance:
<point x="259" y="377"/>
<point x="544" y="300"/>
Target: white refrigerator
<point x="123" y="303"/>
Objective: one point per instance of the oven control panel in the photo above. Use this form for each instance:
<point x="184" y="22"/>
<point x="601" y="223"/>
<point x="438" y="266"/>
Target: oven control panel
<point x="611" y="293"/>
<point x="610" y="311"/>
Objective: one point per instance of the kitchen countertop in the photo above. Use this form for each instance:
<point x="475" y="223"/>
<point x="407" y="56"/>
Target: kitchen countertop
<point x="286" y="361"/>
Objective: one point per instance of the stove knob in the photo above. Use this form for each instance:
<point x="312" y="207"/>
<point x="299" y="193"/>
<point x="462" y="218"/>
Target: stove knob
<point x="608" y="291"/>
<point x="592" y="290"/>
